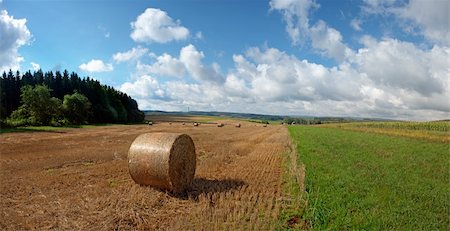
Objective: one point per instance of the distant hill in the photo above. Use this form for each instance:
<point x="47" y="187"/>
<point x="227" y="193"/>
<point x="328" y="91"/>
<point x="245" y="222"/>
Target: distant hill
<point x="260" y="117"/>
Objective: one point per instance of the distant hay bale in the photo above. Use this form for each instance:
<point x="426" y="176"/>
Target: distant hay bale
<point x="150" y="123"/>
<point x="238" y="125"/>
<point x="220" y="125"/>
<point x="163" y="160"/>
<point x="264" y="125"/>
<point x="183" y="123"/>
<point x="195" y="124"/>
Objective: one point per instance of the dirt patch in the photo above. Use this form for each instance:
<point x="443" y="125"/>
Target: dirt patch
<point x="79" y="180"/>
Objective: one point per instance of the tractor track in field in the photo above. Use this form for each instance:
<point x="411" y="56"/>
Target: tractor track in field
<point x="78" y="179"/>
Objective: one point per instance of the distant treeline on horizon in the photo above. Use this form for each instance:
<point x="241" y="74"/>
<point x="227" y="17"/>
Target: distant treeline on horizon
<point x="108" y="104"/>
<point x="264" y="118"/>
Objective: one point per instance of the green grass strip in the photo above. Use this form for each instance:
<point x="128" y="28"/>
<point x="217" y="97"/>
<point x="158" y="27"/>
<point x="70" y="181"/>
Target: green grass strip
<point x="294" y="203"/>
<point x="364" y="181"/>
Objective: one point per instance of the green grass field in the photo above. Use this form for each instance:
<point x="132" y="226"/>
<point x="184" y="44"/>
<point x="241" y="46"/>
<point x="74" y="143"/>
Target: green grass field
<point x="363" y="180"/>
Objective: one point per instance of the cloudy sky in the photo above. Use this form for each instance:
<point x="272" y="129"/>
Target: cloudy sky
<point x="369" y="58"/>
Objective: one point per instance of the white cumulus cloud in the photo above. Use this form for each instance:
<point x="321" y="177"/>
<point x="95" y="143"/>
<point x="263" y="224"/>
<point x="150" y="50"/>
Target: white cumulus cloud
<point x="324" y="39"/>
<point x="431" y="17"/>
<point x="155" y="25"/>
<point x="276" y="76"/>
<point x="404" y="66"/>
<point x="35" y="66"/>
<point x="134" y="54"/>
<point x="96" y="65"/>
<point x="385" y="78"/>
<point x="413" y="83"/>
<point x="13" y="34"/>
<point x="165" y="65"/>
<point x="271" y="81"/>
<point x="144" y="87"/>
<point x="356" y="24"/>
<point x="192" y="60"/>
<point x="296" y="16"/>
<point x="329" y="41"/>
<point x="427" y="18"/>
<point x="188" y="63"/>
<point x="377" y="6"/>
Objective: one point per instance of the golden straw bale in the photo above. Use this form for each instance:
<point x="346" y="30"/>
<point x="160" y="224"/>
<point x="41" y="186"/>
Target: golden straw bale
<point x="163" y="160"/>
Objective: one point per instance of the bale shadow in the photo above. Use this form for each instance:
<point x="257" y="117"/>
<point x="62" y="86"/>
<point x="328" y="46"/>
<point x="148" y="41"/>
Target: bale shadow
<point x="201" y="186"/>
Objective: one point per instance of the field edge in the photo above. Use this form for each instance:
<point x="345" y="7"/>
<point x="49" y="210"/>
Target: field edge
<point x="295" y="201"/>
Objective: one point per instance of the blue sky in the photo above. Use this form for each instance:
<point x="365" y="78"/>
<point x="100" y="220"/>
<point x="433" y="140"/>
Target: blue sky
<point x="371" y="58"/>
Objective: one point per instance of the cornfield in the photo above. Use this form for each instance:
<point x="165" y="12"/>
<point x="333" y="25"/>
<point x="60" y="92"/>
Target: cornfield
<point x="436" y="130"/>
<point x="442" y="126"/>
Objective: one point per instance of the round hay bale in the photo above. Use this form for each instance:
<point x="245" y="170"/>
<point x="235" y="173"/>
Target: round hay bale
<point x="150" y="123"/>
<point x="220" y="125"/>
<point x="195" y="124"/>
<point x="163" y="160"/>
<point x="265" y="125"/>
<point x="238" y="125"/>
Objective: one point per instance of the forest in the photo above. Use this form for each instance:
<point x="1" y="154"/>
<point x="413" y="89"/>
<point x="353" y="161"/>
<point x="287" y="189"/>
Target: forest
<point x="60" y="99"/>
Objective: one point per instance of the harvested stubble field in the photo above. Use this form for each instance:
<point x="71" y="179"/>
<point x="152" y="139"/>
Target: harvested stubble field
<point x="78" y="179"/>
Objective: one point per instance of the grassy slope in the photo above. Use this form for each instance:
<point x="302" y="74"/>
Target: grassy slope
<point x="369" y="181"/>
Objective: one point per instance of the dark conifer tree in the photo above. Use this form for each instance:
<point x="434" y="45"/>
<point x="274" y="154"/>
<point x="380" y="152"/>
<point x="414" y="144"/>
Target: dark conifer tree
<point x="58" y="86"/>
<point x="107" y="104"/>
<point x="39" y="77"/>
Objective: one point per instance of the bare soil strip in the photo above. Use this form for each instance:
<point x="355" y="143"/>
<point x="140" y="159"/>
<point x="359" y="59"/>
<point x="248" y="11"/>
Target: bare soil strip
<point x="78" y="179"/>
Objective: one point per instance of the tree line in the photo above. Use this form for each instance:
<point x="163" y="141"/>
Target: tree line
<point x="49" y="98"/>
<point x="290" y="120"/>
